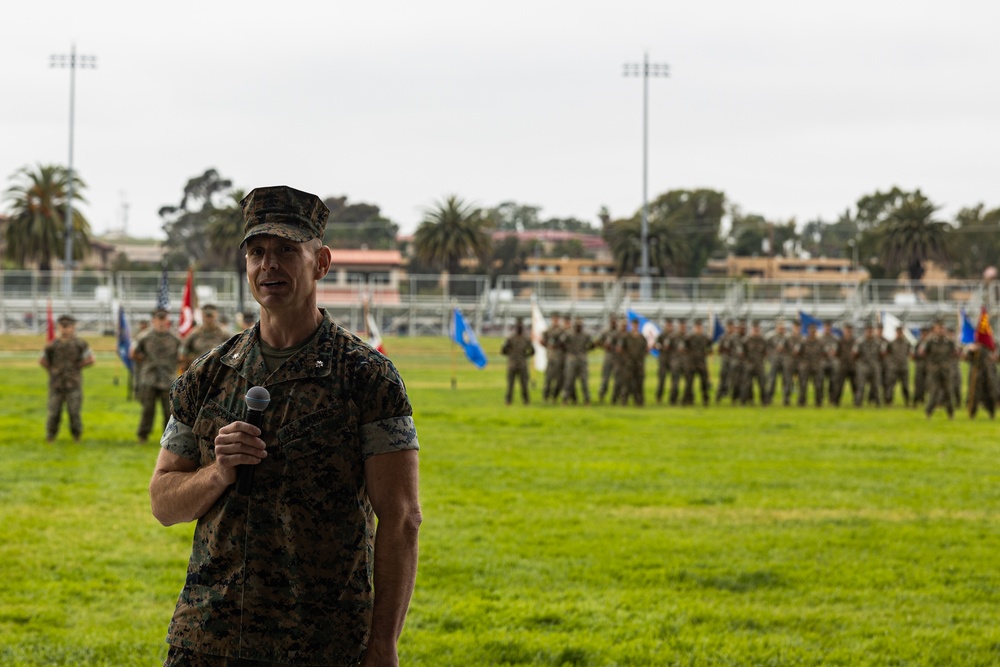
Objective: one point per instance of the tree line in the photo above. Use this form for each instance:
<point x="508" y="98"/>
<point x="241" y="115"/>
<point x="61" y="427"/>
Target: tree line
<point x="887" y="232"/>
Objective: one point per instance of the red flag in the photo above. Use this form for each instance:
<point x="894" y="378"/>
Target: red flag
<point x="984" y="332"/>
<point x="187" y="311"/>
<point x="51" y="332"/>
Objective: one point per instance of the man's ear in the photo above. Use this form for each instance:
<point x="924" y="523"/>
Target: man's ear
<point x="324" y="259"/>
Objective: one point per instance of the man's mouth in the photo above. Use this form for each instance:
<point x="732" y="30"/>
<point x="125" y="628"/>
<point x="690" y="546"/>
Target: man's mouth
<point x="271" y="283"/>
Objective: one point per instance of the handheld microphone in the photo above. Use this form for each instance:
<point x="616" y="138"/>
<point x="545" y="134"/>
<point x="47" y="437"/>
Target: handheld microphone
<point x="257" y="399"/>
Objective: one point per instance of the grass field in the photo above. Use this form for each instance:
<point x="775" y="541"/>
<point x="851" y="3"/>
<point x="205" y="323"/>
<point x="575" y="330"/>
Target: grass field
<point x="556" y="536"/>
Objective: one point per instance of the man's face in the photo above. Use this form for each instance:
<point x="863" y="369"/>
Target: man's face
<point x="67" y="329"/>
<point x="161" y="323"/>
<point x="283" y="273"/>
<point x="209" y="318"/>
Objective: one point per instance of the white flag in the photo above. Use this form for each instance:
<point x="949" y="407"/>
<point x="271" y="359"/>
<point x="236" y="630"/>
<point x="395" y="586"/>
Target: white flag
<point x="538" y="327"/>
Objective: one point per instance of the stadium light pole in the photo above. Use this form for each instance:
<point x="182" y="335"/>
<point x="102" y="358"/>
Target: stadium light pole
<point x="645" y="69"/>
<point x="73" y="62"/>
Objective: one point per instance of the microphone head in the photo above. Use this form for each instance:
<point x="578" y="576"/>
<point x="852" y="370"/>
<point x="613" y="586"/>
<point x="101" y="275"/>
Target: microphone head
<point x="257" y="398"/>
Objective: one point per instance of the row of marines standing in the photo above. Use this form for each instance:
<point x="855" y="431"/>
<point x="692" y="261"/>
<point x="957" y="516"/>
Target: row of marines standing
<point x="872" y="365"/>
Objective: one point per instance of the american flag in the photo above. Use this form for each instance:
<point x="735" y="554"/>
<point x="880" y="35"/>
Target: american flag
<point x="163" y="296"/>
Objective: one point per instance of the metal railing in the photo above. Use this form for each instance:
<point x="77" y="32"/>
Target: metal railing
<point x="421" y="304"/>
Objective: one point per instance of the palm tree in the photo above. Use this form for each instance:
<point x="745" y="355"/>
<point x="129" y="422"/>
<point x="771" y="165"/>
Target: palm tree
<point x="910" y="236"/>
<point x="624" y="238"/>
<point x="36" y="231"/>
<point x="225" y="232"/>
<point x="450" y="232"/>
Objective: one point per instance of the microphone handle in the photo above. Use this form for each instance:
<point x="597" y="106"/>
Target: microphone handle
<point x="244" y="472"/>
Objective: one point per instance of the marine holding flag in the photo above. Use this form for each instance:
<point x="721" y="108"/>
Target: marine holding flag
<point x="981" y="355"/>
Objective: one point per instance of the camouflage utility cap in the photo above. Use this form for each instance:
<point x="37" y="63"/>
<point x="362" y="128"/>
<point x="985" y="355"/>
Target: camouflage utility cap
<point x="283" y="211"/>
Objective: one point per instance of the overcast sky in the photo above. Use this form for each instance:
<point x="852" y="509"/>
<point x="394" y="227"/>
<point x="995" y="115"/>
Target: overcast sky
<point x="793" y="109"/>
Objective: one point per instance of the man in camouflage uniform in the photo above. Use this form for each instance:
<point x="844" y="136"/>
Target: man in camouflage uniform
<point x="663" y="349"/>
<point x="678" y="360"/>
<point x="158" y="353"/>
<point x="698" y="346"/>
<point x="754" y="354"/>
<point x="203" y="338"/>
<point x="577" y="343"/>
<point x="143" y="331"/>
<point x="606" y="341"/>
<point x="726" y="360"/>
<point x="781" y="347"/>
<point x="868" y="353"/>
<point x="982" y="383"/>
<point x="555" y="365"/>
<point x="622" y="385"/>
<point x="846" y="368"/>
<point x="809" y="353"/>
<point x="920" y="368"/>
<point x="939" y="351"/>
<point x="314" y="563"/>
<point x="955" y="370"/>
<point x="633" y="349"/>
<point x="897" y="366"/>
<point x="64" y="359"/>
<point x="829" y="367"/>
<point x="517" y="348"/>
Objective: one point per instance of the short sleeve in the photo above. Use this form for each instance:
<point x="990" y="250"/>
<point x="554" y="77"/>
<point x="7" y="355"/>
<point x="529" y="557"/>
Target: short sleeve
<point x="385" y="414"/>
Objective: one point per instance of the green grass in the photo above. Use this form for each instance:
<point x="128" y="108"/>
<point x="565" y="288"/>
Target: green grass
<point x="557" y="536"/>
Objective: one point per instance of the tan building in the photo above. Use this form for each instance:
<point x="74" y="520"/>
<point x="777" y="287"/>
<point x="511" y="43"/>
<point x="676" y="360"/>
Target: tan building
<point x="785" y="269"/>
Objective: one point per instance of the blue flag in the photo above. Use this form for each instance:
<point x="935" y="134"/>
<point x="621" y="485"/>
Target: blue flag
<point x="462" y="334"/>
<point x="717" y="331"/>
<point x="806" y="320"/>
<point x="163" y="295"/>
<point x="124" y="339"/>
<point x="648" y="330"/>
<point x="968" y="331"/>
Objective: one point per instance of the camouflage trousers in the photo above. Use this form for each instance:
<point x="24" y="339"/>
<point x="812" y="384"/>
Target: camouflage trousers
<point x="809" y="372"/>
<point x="919" y="382"/>
<point x="554" y="370"/>
<point x="700" y="371"/>
<point x="754" y="371"/>
<point x="982" y="390"/>
<point x="785" y="367"/>
<point x="872" y="375"/>
<point x="845" y="372"/>
<point x="939" y="388"/>
<point x="897" y="375"/>
<point x="73" y="399"/>
<point x="182" y="657"/>
<point x="725" y="372"/>
<point x="150" y="396"/>
<point x="519" y="375"/>
<point x="607" y="372"/>
<point x="576" y="372"/>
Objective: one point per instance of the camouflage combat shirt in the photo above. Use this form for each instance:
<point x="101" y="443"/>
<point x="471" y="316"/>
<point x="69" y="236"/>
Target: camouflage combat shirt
<point x="64" y="358"/>
<point x="285" y="574"/>
<point x="159" y="359"/>
<point x="201" y="340"/>
<point x="517" y="348"/>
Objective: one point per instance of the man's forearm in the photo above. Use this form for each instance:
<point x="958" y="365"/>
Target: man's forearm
<point x="396" y="551"/>
<point x="181" y="496"/>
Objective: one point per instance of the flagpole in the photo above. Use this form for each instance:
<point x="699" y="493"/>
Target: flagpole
<point x="454" y="362"/>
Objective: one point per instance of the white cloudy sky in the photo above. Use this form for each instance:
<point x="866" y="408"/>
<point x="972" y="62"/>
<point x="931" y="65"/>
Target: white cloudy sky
<point x="793" y="109"/>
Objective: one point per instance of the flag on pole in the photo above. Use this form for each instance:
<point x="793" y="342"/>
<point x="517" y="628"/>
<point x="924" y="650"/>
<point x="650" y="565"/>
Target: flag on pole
<point x="715" y="328"/>
<point x="538" y="329"/>
<point x="889" y="325"/>
<point x="187" y="310"/>
<point x="806" y="320"/>
<point x="163" y="295"/>
<point x="462" y="334"/>
<point x="984" y="332"/>
<point x="648" y="330"/>
<point x="124" y="338"/>
<point x="50" y="323"/>
<point x="968" y="332"/>
<point x="374" y="335"/>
